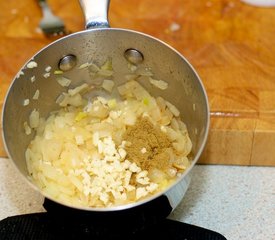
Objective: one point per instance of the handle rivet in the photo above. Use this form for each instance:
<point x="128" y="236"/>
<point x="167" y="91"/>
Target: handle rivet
<point x="133" y="56"/>
<point x="67" y="63"/>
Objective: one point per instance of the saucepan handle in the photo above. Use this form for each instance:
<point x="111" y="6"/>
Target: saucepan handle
<point x="96" y="13"/>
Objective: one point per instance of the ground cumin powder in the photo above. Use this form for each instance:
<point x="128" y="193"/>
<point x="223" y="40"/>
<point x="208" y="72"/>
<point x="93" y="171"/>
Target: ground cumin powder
<point x="148" y="145"/>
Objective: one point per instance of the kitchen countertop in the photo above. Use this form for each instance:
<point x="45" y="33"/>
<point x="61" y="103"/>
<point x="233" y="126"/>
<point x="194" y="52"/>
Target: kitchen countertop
<point x="235" y="201"/>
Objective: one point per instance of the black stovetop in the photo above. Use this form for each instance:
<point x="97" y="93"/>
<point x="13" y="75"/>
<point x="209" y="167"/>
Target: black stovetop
<point x="60" y="222"/>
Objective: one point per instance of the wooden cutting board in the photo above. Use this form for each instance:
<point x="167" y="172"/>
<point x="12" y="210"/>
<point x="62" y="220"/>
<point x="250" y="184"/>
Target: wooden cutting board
<point x="229" y="43"/>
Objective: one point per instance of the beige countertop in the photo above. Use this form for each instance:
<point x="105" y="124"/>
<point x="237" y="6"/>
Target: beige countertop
<point x="236" y="201"/>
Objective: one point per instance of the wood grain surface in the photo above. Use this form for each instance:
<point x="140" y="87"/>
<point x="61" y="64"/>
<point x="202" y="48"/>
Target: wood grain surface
<point x="229" y="43"/>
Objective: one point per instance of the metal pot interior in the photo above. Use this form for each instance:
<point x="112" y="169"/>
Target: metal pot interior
<point x="185" y="87"/>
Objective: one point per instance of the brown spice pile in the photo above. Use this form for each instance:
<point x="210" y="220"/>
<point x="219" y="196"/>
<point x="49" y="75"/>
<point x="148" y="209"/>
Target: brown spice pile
<point x="148" y="145"/>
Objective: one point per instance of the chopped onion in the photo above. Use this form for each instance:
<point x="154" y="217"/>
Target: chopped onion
<point x="144" y="72"/>
<point x="32" y="64"/>
<point x="64" y="82"/>
<point x="80" y="116"/>
<point x="173" y="109"/>
<point x="93" y="67"/>
<point x="105" y="73"/>
<point x="131" y="77"/>
<point x="159" y="83"/>
<point x="108" y="85"/>
<point x="36" y="95"/>
<point x="84" y="65"/>
<point x="46" y="75"/>
<point x="60" y="98"/>
<point x="103" y="100"/>
<point x="112" y="103"/>
<point x="19" y="74"/>
<point x="32" y="79"/>
<point x="175" y="124"/>
<point x="27" y="128"/>
<point x="34" y="119"/>
<point x="122" y="90"/>
<point x="107" y="65"/>
<point x="78" y="89"/>
<point x="26" y="102"/>
<point x="161" y="104"/>
<point x="66" y="100"/>
<point x="48" y="68"/>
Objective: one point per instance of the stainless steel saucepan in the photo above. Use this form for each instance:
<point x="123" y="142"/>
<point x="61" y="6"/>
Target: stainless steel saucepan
<point x="97" y="43"/>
